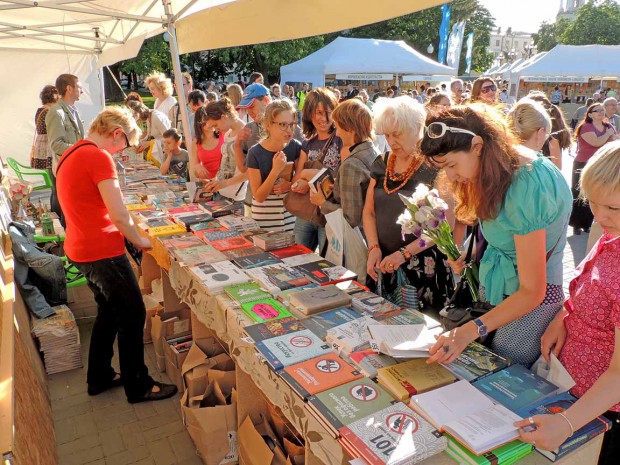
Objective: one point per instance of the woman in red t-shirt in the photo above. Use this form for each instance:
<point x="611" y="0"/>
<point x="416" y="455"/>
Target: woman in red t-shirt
<point x="586" y="333"/>
<point x="97" y="224"/>
<point x="591" y="134"/>
<point x="207" y="145"/>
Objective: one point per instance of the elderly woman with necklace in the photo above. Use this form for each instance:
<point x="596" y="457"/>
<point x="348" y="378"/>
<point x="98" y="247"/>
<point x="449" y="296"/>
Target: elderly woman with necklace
<point x="400" y="171"/>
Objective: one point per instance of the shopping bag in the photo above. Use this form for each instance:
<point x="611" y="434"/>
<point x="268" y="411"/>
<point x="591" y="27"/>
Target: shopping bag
<point x="345" y="245"/>
<point x="334" y="230"/>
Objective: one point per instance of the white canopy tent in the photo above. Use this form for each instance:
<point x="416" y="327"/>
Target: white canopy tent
<point x="368" y="56"/>
<point x="41" y="39"/>
<point x="572" y="62"/>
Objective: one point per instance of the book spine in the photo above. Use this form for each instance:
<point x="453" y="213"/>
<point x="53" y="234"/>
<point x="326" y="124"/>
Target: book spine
<point x="573" y="443"/>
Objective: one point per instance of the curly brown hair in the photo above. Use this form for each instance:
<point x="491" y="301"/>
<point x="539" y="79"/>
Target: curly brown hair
<point x="499" y="159"/>
<point x="223" y="107"/>
<point x="49" y="94"/>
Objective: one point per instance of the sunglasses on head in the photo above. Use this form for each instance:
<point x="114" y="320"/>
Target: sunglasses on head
<point x="598" y="110"/>
<point x="488" y="89"/>
<point x="436" y="130"/>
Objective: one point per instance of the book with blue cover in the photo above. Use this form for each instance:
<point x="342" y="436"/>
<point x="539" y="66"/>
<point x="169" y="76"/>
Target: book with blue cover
<point x="560" y="403"/>
<point x="286" y="350"/>
<point x="516" y="387"/>
<point x="319" y="324"/>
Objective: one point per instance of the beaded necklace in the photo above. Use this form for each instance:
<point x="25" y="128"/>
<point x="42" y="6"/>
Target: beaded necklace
<point x="416" y="162"/>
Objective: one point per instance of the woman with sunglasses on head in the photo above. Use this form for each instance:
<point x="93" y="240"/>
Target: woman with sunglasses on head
<point x="484" y="90"/>
<point x="591" y="134"/>
<point x="273" y="166"/>
<point x="97" y="225"/>
<point x="522" y="203"/>
<point x="400" y="171"/>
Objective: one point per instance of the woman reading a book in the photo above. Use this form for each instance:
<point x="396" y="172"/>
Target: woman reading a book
<point x="97" y="224"/>
<point x="273" y="166"/>
<point x="523" y="204"/>
<point x="400" y="171"/>
<point x="586" y="332"/>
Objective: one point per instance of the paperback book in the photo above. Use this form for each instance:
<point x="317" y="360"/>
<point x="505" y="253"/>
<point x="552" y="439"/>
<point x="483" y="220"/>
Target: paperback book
<point x="190" y="219"/>
<point x="322" y="182"/>
<point x="198" y="191"/>
<point x="181" y="241"/>
<point x="205" y="225"/>
<point x="475" y="362"/>
<point x="278" y="277"/>
<point x="292" y="348"/>
<point x="319" y="374"/>
<point x="231" y="243"/>
<point x="254" y="261"/>
<point x="264" y="310"/>
<point x="269" y="329"/>
<point x="368" y="303"/>
<point x="232" y="254"/>
<point x="216" y="276"/>
<point x="302" y="259"/>
<point x="239" y="223"/>
<point x="413" y="377"/>
<point x="325" y="272"/>
<point x="185" y="209"/>
<point x="311" y="301"/>
<point x="296" y="249"/>
<point x="351" y="336"/>
<point x="369" y="362"/>
<point x="246" y="292"/>
<point x="274" y="240"/>
<point x="166" y="230"/>
<point x="217" y="234"/>
<point x="219" y="208"/>
<point x="393" y="436"/>
<point x="192" y="256"/>
<point x="503" y="455"/>
<point x="403" y="341"/>
<point x="320" y="323"/>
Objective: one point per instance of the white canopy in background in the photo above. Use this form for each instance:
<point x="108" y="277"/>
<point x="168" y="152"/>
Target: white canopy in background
<point x="347" y="55"/>
<point x="40" y="40"/>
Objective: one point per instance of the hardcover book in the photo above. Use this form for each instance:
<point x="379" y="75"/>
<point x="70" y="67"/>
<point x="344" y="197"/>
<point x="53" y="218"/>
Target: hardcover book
<point x="342" y="405"/>
<point x="192" y="208"/>
<point x="560" y="403"/>
<point x="320" y="323"/>
<point x="205" y="225"/>
<point x="292" y="348"/>
<point x="302" y="259"/>
<point x="369" y="362"/>
<point x="322" y="182"/>
<point x="413" y="377"/>
<point x="368" y="303"/>
<point x="274" y="240"/>
<point x="181" y="241"/>
<point x="192" y="256"/>
<point x="264" y="310"/>
<point x="242" y="252"/>
<point x="296" y="249"/>
<point x="219" y="208"/>
<point x="261" y="331"/>
<point x="190" y="219"/>
<point x="211" y="235"/>
<point x="239" y="223"/>
<point x="351" y="336"/>
<point x="254" y="261"/>
<point x="319" y="374"/>
<point x="285" y="297"/>
<point x="278" y="277"/>
<point x="503" y="455"/>
<point x="166" y="230"/>
<point x="325" y="272"/>
<point x="475" y="362"/>
<point x="311" y="301"/>
<point x="393" y="436"/>
<point x="516" y="387"/>
<point x="231" y="243"/>
<point x="246" y="292"/>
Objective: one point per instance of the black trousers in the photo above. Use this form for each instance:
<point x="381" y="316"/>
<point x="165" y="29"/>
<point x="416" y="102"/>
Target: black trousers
<point x="581" y="216"/>
<point x="120" y="312"/>
<point x="54" y="202"/>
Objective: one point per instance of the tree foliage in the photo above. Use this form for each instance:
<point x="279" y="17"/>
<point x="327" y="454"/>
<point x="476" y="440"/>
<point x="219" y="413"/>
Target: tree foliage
<point x="550" y="34"/>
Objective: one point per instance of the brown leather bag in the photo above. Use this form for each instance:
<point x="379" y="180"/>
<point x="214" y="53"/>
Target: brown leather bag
<point x="299" y="204"/>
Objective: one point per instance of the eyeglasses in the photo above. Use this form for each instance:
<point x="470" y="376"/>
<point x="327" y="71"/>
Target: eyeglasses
<point x="436" y="130"/>
<point x="126" y="140"/>
<point x="598" y="110"/>
<point x="486" y="90"/>
<point x="285" y="126"/>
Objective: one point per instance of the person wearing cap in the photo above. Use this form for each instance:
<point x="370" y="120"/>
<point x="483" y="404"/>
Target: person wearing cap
<point x="255" y="100"/>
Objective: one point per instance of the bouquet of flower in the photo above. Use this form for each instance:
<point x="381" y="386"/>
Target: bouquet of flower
<point x="425" y="218"/>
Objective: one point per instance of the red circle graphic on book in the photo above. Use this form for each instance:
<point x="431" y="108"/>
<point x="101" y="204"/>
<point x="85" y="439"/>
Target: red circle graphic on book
<point x="328" y="366"/>
<point x="364" y="392"/>
<point x="400" y="422"/>
<point x="301" y="341"/>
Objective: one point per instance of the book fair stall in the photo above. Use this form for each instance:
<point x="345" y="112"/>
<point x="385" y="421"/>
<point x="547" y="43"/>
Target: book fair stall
<point x="282" y="357"/>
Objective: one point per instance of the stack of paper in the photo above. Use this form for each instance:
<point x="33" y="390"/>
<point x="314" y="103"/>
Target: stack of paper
<point x="59" y="340"/>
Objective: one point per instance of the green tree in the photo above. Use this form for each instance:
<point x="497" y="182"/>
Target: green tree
<point x="550" y="34"/>
<point x="153" y="56"/>
<point x="596" y="23"/>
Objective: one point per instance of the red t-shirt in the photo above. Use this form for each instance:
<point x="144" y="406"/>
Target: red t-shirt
<point x="593" y="315"/>
<point x="90" y="234"/>
<point x="585" y="150"/>
<point x="211" y="159"/>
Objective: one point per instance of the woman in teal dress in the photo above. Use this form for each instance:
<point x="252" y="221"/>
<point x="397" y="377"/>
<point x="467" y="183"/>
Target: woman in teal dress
<point x="522" y="203"/>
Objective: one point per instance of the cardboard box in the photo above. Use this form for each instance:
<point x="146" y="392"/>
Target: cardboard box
<point x="258" y="443"/>
<point x="150" y="313"/>
<point x="204" y="355"/>
<point x="211" y="422"/>
<point x="174" y="361"/>
<point x="199" y="330"/>
<point x="168" y="325"/>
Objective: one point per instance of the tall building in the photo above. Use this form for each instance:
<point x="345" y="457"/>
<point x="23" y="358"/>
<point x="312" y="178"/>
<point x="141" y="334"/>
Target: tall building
<point x="569" y="8"/>
<point x="509" y="45"/>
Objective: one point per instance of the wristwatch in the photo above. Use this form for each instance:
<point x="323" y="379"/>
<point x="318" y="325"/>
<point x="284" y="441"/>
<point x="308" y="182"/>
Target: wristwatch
<point x="482" y="328"/>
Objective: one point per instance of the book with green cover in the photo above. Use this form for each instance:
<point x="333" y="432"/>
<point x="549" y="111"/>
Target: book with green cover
<point x="246" y="292"/>
<point x="504" y="455"/>
<point x="264" y="310"/>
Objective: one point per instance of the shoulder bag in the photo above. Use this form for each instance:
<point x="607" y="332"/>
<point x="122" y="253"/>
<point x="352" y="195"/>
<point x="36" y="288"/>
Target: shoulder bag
<point x="299" y="204"/>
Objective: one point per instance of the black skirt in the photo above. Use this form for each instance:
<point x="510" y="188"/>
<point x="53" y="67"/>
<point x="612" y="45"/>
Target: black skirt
<point x="581" y="216"/>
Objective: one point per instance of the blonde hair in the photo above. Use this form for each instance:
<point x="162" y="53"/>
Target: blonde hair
<point x="273" y="110"/>
<point x="353" y="115"/>
<point x="527" y="117"/>
<point x="400" y="114"/>
<point x="235" y="94"/>
<point x="160" y="81"/>
<point x="602" y="172"/>
<point x="114" y="117"/>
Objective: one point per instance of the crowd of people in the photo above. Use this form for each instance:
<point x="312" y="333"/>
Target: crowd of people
<point x="497" y="166"/>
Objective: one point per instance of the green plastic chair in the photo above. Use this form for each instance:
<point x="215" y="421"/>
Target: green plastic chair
<point x="73" y="276"/>
<point x="22" y="170"/>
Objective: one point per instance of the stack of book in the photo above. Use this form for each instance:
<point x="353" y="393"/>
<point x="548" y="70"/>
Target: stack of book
<point x="278" y="277"/>
<point x="59" y="340"/>
<point x="368" y="303"/>
<point x="351" y="336"/>
<point x="218" y="208"/>
<point x="216" y="276"/>
<point x="180" y="241"/>
<point x="274" y="240"/>
<point x="239" y="223"/>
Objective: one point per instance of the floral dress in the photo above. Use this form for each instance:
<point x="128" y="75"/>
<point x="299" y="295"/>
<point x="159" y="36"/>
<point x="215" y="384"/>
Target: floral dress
<point x="42" y="154"/>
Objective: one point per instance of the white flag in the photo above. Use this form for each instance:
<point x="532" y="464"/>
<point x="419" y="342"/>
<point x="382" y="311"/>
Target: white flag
<point x="455" y="43"/>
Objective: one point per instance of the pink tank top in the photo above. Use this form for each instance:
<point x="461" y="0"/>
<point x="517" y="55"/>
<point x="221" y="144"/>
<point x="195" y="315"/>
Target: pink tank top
<point x="211" y="159"/>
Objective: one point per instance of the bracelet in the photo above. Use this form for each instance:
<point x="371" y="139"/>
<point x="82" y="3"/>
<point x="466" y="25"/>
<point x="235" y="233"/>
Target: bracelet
<point x="572" y="430"/>
<point x="372" y="247"/>
<point x="405" y="253"/>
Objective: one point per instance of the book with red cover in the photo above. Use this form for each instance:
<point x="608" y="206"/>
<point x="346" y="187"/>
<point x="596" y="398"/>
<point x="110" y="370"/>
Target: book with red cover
<point x="231" y="243"/>
<point x="319" y="374"/>
<point x="192" y="208"/>
<point x="296" y="249"/>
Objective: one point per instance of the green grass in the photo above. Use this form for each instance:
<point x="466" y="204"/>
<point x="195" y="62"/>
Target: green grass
<point x="147" y="98"/>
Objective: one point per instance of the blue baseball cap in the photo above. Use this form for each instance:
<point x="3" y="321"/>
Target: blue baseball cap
<point x="251" y="92"/>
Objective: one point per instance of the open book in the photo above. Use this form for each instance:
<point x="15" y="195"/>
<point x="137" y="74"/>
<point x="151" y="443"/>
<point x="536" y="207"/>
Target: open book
<point x="403" y="341"/>
<point x="468" y="415"/>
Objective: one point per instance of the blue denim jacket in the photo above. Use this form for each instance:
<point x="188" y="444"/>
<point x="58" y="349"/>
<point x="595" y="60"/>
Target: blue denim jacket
<point x="39" y="276"/>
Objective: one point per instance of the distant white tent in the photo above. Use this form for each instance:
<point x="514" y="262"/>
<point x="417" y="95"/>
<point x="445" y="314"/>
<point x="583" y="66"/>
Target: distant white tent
<point x="362" y="56"/>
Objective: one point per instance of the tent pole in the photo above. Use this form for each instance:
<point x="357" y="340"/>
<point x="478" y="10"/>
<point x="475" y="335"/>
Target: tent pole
<point x="101" y="70"/>
<point x="178" y="80"/>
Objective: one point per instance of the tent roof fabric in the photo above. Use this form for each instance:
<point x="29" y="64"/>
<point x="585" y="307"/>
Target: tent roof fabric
<point x="574" y="60"/>
<point x="347" y="55"/>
